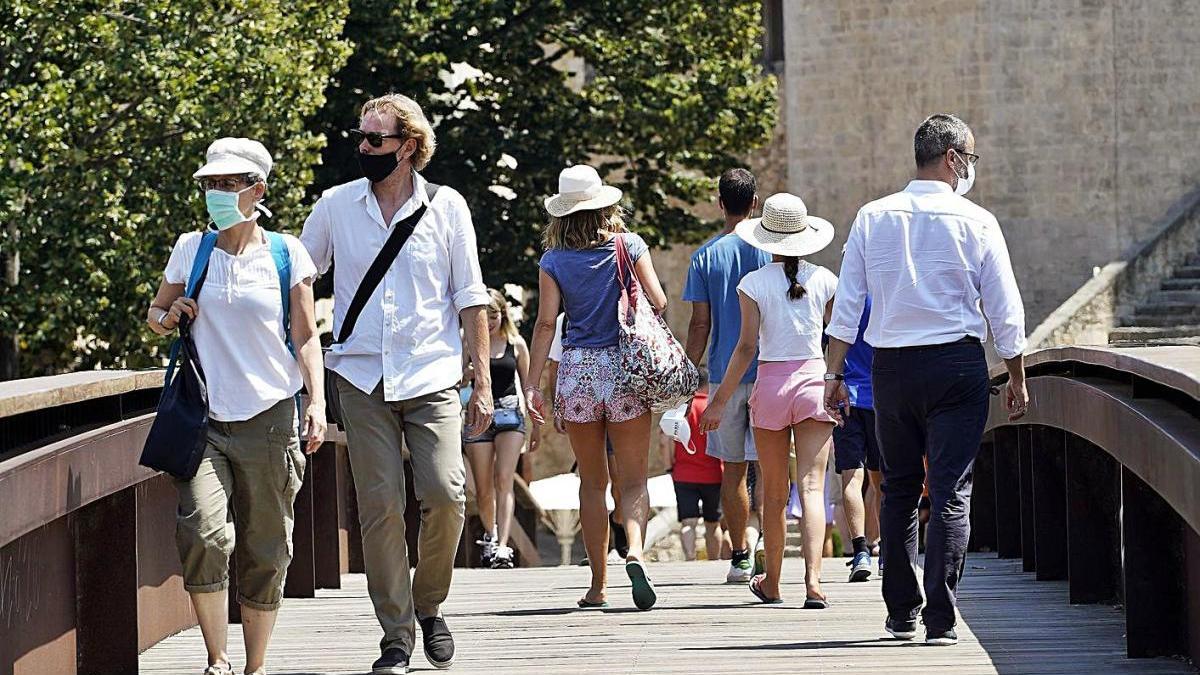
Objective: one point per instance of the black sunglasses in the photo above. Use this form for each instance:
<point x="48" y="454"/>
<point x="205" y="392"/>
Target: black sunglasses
<point x="375" y="138"/>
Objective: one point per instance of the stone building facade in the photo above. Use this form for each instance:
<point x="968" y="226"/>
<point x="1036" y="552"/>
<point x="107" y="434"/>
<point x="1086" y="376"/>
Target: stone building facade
<point x="1085" y="113"/>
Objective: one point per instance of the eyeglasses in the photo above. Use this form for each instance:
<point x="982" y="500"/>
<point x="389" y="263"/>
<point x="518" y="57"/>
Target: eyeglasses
<point x="375" y="138"/>
<point x="972" y="158"/>
<point x="226" y="184"/>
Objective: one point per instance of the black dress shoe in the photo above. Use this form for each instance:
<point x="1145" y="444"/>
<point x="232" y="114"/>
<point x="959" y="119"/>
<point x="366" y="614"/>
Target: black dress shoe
<point x="439" y="643"/>
<point x="393" y="662"/>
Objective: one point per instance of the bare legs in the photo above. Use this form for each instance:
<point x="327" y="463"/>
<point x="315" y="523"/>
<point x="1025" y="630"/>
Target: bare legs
<point x="587" y="442"/>
<point x="735" y="503"/>
<point x="212" y="611"/>
<point x="712" y="540"/>
<point x="812" y="456"/>
<point x="483" y="467"/>
<point x="631" y="452"/>
<point x="852" y="499"/>
<point x="687" y="535"/>
<point x="812" y="453"/>
<point x="256" y="629"/>
<point x="508" y="453"/>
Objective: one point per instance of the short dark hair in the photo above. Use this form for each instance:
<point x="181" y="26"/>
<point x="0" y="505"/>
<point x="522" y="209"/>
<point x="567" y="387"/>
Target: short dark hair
<point x="737" y="188"/>
<point x="937" y="135"/>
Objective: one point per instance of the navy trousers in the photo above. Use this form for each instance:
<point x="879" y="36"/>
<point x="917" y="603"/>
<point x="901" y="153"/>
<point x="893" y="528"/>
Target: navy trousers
<point x="930" y="402"/>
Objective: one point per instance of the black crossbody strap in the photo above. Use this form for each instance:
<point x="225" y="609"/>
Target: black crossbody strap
<point x="379" y="267"/>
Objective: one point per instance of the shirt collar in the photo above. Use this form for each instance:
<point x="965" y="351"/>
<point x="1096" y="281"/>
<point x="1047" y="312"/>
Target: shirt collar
<point x="924" y="187"/>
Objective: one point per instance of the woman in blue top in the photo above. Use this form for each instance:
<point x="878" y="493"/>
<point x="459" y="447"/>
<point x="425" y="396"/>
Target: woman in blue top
<point x="578" y="276"/>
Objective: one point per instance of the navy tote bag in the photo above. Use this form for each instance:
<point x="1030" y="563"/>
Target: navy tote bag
<point x="176" y="440"/>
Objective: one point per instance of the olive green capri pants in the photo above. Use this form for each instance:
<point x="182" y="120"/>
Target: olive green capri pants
<point x="240" y="500"/>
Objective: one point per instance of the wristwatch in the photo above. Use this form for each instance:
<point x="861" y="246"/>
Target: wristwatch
<point x="834" y="377"/>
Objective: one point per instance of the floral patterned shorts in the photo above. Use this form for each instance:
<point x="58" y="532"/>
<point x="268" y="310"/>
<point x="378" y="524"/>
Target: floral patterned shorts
<point x="587" y="388"/>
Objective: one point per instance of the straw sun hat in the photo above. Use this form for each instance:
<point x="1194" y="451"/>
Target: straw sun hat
<point x="580" y="189"/>
<point x="786" y="228"/>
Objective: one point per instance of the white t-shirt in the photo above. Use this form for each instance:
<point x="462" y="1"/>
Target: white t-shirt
<point x="789" y="330"/>
<point x="239" y="331"/>
<point x="556" y="347"/>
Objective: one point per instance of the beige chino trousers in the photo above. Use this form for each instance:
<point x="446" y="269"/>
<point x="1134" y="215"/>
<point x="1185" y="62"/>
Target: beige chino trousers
<point x="431" y="427"/>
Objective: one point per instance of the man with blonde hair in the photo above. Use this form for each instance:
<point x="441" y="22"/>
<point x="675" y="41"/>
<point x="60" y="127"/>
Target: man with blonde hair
<point x="407" y="273"/>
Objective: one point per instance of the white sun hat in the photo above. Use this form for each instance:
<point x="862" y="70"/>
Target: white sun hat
<point x="580" y="189"/>
<point x="235" y="156"/>
<point x="786" y="228"/>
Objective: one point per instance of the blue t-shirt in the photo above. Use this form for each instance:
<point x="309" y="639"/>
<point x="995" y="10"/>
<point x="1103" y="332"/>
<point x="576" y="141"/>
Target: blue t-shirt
<point x="713" y="277"/>
<point x="587" y="279"/>
<point x="858" y="365"/>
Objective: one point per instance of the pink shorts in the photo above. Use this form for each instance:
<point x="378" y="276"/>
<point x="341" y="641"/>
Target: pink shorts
<point x="787" y="393"/>
<point x="587" y="388"/>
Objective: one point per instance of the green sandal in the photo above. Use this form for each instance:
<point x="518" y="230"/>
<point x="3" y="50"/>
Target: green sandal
<point x="644" y="596"/>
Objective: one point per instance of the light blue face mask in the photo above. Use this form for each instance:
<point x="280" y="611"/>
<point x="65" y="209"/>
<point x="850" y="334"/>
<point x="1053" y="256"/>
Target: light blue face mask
<point x="223" y="208"/>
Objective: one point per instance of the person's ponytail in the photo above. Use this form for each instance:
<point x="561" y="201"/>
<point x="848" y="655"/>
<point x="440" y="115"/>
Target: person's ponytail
<point x="791" y="267"/>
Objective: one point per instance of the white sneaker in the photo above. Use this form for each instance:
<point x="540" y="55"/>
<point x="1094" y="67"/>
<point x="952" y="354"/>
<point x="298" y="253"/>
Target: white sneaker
<point x="740" y="572"/>
<point x="503" y="558"/>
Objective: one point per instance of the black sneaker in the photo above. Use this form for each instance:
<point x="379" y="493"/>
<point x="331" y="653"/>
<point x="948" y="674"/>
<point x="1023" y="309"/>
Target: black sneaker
<point x="393" y="662"/>
<point x="901" y="630"/>
<point x="439" y="643"/>
<point x="944" y="638"/>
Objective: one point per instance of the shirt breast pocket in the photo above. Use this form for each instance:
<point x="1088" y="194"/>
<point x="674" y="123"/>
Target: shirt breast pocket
<point x="422" y="253"/>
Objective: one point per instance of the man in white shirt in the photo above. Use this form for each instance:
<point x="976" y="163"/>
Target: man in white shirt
<point x="398" y="365"/>
<point x="930" y="260"/>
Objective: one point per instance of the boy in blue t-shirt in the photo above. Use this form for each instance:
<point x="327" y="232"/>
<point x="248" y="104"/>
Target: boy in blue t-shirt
<point x="713" y="276"/>
<point x="855" y="448"/>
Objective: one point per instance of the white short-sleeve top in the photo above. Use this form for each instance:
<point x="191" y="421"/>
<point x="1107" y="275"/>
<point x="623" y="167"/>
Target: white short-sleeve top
<point x="239" y="330"/>
<point x="789" y="330"/>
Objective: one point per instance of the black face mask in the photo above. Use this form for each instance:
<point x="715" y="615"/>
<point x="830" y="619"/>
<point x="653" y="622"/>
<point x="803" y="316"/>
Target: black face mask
<point x="377" y="167"/>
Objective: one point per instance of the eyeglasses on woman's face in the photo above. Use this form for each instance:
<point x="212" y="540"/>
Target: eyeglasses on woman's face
<point x="225" y="183"/>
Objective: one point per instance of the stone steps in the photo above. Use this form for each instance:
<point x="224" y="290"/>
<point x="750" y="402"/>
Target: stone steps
<point x="1180" y="284"/>
<point x="1188" y="296"/>
<point x="1160" y="335"/>
<point x="1187" y="272"/>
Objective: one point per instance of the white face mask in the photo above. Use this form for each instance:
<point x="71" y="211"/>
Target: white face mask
<point x="964" y="184"/>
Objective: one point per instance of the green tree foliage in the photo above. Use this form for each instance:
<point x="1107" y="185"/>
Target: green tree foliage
<point x="108" y="106"/>
<point x="664" y="95"/>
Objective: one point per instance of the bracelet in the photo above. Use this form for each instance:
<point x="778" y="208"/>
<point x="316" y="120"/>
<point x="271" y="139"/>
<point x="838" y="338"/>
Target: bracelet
<point x="159" y="319"/>
<point x="834" y="377"/>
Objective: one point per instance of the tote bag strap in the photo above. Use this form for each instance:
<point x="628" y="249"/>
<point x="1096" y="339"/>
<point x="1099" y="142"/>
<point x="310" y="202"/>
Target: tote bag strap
<point x="208" y="241"/>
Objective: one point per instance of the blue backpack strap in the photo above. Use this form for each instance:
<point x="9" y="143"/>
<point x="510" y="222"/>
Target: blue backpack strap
<point x="283" y="266"/>
<point x="208" y="241"/>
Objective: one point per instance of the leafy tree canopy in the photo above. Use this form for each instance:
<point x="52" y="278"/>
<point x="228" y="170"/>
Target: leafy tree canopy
<point x="108" y="106"/>
<point x="662" y="95"/>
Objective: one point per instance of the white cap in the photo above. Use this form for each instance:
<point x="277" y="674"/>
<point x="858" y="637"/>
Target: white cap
<point x="236" y="156"/>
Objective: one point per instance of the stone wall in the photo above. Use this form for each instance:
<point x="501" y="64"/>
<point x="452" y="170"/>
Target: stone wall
<point x="1088" y="316"/>
<point x="1085" y="113"/>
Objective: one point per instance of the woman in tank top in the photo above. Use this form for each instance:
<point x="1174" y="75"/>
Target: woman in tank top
<point x="493" y="455"/>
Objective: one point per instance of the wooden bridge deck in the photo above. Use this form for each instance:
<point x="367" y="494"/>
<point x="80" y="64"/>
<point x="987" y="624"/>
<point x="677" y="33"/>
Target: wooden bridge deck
<point x="524" y="621"/>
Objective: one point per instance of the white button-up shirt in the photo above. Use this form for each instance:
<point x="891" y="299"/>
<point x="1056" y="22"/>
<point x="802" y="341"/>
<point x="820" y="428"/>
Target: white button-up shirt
<point x="408" y="332"/>
<point x="930" y="259"/>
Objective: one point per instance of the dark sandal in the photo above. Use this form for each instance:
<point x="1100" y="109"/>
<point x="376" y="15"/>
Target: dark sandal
<point x="816" y="603"/>
<point x="756" y="589"/>
<point x="584" y="603"/>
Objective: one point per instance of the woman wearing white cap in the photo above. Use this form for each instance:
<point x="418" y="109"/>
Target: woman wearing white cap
<point x="578" y="273"/>
<point x="255" y="355"/>
<point x="785" y="306"/>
